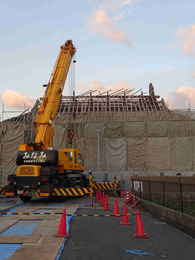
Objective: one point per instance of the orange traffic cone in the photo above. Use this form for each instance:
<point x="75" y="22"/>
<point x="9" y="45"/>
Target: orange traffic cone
<point x="102" y="201"/>
<point x="139" y="231"/>
<point x="97" y="196"/>
<point x="106" y="206"/>
<point x="125" y="217"/>
<point x="107" y="203"/>
<point x="62" y="232"/>
<point x="116" y="208"/>
<point x="125" y="209"/>
<point x="125" y="220"/>
<point x="100" y="198"/>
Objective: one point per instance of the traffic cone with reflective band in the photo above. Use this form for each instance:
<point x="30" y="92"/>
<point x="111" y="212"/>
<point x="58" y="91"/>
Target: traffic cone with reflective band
<point x="139" y="230"/>
<point x="62" y="231"/>
<point x="100" y="197"/>
<point x="97" y="196"/>
<point x="125" y="217"/>
<point x="107" y="203"/>
<point x="106" y="206"/>
<point x="125" y="209"/>
<point x="116" y="208"/>
<point x="103" y="200"/>
<point x="125" y="220"/>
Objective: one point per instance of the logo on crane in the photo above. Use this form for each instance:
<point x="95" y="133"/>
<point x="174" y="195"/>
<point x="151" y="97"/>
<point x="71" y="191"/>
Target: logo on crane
<point x="36" y="156"/>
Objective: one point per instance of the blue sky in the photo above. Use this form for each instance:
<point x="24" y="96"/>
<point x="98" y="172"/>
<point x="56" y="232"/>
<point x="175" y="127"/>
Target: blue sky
<point x="137" y="42"/>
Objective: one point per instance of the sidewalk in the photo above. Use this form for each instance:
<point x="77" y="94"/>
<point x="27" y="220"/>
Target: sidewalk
<point x="103" y="238"/>
<point x="8" y="203"/>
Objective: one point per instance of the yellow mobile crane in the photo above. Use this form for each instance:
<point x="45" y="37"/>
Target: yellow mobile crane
<point x="41" y="169"/>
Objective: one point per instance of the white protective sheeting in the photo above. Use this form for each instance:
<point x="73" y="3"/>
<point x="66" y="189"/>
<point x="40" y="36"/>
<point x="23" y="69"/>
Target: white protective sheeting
<point x="116" y="153"/>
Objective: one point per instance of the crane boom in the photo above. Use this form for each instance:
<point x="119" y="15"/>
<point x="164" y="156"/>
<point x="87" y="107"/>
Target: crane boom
<point x="51" y="101"/>
<point x="41" y="171"/>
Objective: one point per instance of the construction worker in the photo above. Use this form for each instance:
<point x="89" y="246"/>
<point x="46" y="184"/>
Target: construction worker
<point x="118" y="188"/>
<point x="90" y="178"/>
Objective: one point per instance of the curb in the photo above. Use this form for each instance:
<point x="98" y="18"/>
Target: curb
<point x="5" y="210"/>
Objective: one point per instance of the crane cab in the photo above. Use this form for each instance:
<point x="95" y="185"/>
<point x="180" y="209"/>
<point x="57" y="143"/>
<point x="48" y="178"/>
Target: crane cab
<point x="70" y="160"/>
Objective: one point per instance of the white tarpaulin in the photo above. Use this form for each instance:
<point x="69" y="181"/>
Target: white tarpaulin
<point x="116" y="153"/>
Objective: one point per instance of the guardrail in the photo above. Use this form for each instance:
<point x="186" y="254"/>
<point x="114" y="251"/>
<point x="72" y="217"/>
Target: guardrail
<point x="177" y="192"/>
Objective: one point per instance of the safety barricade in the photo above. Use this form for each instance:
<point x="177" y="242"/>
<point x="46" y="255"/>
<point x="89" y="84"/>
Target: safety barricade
<point x="71" y="192"/>
<point x="130" y="199"/>
<point x="103" y="186"/>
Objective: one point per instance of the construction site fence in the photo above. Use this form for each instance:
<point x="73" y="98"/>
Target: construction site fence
<point x="176" y="192"/>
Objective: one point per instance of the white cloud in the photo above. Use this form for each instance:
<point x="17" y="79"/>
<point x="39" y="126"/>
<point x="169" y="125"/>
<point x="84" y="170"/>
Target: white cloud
<point x="105" y="25"/>
<point x="187" y="39"/>
<point x="183" y="97"/>
<point x="105" y="20"/>
<point x="117" y="4"/>
<point x="125" y="3"/>
<point x="99" y="86"/>
<point x="15" y="99"/>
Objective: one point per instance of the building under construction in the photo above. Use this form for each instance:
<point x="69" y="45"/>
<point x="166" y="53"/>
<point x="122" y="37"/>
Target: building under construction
<point x="119" y="133"/>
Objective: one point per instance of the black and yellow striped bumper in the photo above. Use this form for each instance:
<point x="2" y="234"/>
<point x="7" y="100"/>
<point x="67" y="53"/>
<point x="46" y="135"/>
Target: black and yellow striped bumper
<point x="104" y="186"/>
<point x="77" y="192"/>
<point x="68" y="192"/>
<point x="71" y="192"/>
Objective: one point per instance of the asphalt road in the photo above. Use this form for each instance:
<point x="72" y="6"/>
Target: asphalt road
<point x="103" y="238"/>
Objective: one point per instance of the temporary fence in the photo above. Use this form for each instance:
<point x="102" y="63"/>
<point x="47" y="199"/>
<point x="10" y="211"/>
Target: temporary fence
<point x="176" y="192"/>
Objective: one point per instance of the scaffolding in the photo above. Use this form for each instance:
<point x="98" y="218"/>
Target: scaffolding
<point x="7" y="113"/>
<point x="123" y="104"/>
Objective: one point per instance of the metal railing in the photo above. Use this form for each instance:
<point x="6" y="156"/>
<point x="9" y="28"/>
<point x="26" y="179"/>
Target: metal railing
<point x="176" y="192"/>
